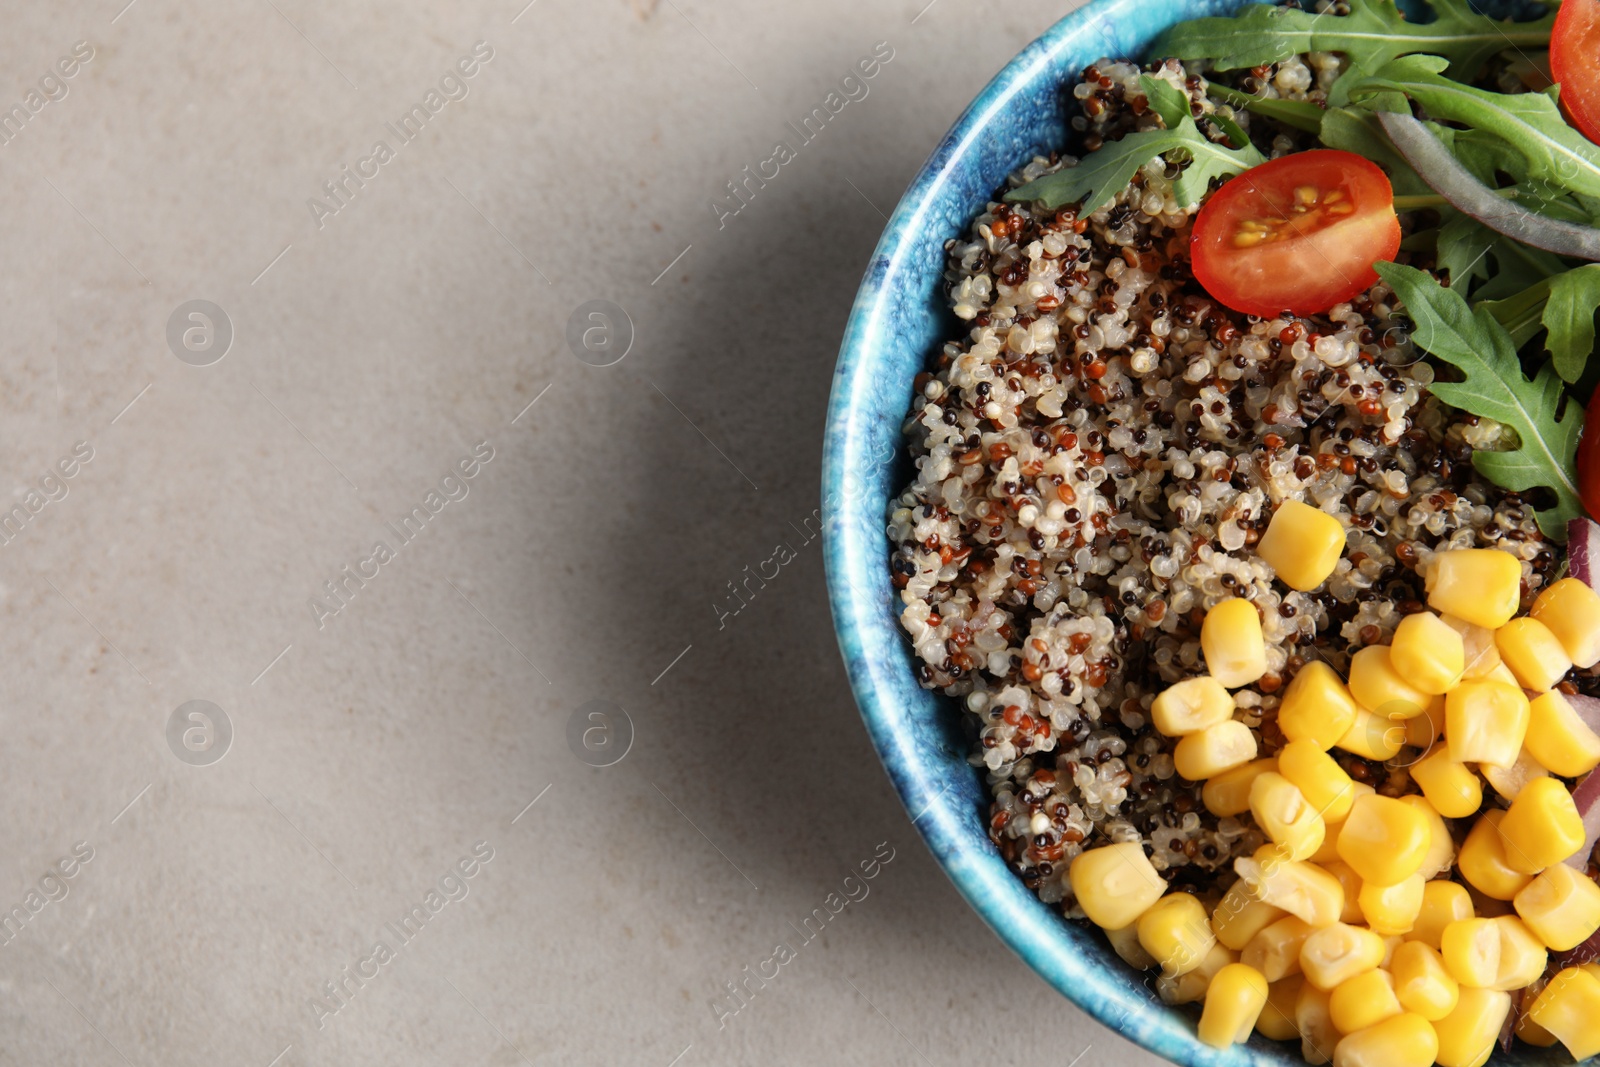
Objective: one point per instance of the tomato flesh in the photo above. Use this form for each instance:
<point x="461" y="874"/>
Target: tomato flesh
<point x="1299" y="233"/>
<point x="1588" y="463"/>
<point x="1575" y="63"/>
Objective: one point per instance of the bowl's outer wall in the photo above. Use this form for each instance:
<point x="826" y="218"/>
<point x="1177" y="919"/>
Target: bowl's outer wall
<point x="898" y="322"/>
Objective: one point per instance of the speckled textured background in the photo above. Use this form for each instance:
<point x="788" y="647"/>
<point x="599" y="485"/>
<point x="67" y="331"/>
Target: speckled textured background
<point x="372" y="349"/>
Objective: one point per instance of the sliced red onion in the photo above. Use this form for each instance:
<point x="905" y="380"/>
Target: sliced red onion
<point x="1583" y="549"/>
<point x="1586" y="795"/>
<point x="1588" y="709"/>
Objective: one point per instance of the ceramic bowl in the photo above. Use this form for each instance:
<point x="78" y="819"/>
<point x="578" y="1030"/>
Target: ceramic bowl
<point x="899" y="321"/>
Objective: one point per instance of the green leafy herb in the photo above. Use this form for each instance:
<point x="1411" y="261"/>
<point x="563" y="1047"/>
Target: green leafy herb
<point x="1356" y="130"/>
<point x="1493" y="387"/>
<point x="1107" y="170"/>
<point x="1569" y="319"/>
<point x="1374" y="33"/>
<point x="1165" y="99"/>
<point x="1301" y="114"/>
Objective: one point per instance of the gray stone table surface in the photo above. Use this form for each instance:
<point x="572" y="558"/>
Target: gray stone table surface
<point x="306" y="474"/>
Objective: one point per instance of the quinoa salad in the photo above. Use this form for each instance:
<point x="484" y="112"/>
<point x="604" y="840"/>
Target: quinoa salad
<point x="1099" y="450"/>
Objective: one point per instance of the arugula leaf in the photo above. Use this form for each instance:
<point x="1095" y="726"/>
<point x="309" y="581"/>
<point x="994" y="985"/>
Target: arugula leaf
<point x="1493" y="387"/>
<point x="1374" y="33"/>
<point x="1520" y="313"/>
<point x="1463" y="250"/>
<point x="1569" y="319"/>
<point x="1107" y="170"/>
<point x="1530" y="122"/>
<point x="1355" y="130"/>
<point x="1166" y="100"/>
<point x="1300" y="114"/>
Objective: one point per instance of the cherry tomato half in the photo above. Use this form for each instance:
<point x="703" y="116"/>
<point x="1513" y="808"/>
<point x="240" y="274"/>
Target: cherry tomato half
<point x="1575" y="63"/>
<point x="1299" y="233"/>
<point x="1588" y="463"/>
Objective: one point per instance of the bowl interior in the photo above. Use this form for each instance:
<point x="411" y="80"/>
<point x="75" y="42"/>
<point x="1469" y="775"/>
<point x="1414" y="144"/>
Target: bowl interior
<point x="899" y="320"/>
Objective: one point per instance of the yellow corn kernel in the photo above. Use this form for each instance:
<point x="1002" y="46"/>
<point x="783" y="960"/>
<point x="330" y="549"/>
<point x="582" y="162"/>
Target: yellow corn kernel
<point x="1485" y="722"/>
<point x="1339" y="952"/>
<point x="1449" y="784"/>
<point x="1533" y="653"/>
<point x="1233" y="1004"/>
<point x="1351" y="881"/>
<point x="1314" y="1019"/>
<point x="1443" y="902"/>
<point x="1541" y="827"/>
<point x="1190" y="987"/>
<point x="1275" y="949"/>
<point x="1421" y="982"/>
<point x="1481" y="585"/>
<point x="1125" y="943"/>
<point x="1230" y="637"/>
<point x="1532" y="1033"/>
<point x="1467" y="1036"/>
<point x="1509" y="781"/>
<point x="1213" y="750"/>
<point x="1380" y="688"/>
<point x="1373" y="736"/>
<point x="1276" y="1022"/>
<point x="1190" y="706"/>
<point x="1568" y="1008"/>
<point x="1228" y="793"/>
<point x="1427" y="653"/>
<point x="1487" y="907"/>
<point x="1477" y="643"/>
<point x="1384" y="840"/>
<point x="1441" y="854"/>
<point x="1239" y="916"/>
<point x="1471" y="951"/>
<point x="1325" y="785"/>
<point x="1176" y="931"/>
<point x="1522" y="954"/>
<point x="1392" y="909"/>
<point x="1482" y="859"/>
<point x="1363" y="1001"/>
<point x="1503" y="675"/>
<point x="1422" y="731"/>
<point x="1404" y="1040"/>
<point x="1302" y="544"/>
<point x="1302" y="889"/>
<point x="1558" y="738"/>
<point x="1284" y="815"/>
<point x="1316" y="705"/>
<point x="1561" y="906"/>
<point x="1114" y="884"/>
<point x="1572" y="612"/>
<point x="1329" y="852"/>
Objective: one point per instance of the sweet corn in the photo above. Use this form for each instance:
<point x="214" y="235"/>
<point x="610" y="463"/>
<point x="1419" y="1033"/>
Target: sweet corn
<point x="1325" y="785"/>
<point x="1404" y="1040"/>
<point x="1509" y="781"/>
<point x="1441" y="854"/>
<point x="1485" y="722"/>
<point x="1339" y="952"/>
<point x="1381" y="689"/>
<point x="1392" y="909"/>
<point x="1487" y="907"/>
<point x="1373" y="736"/>
<point x="1276" y="1022"/>
<point x="1176" y="931"/>
<point x="1482" y="860"/>
<point x="1533" y="653"/>
<point x="1228" y="793"/>
<point x="1115" y="883"/>
<point x="1427" y="653"/>
<point x="1449" y="784"/>
<point x="1425" y="729"/>
<point x="1477" y="643"/>
<point x="1239" y="916"/>
<point x="1302" y="889"/>
<point x="1190" y="987"/>
<point x="1568" y="1008"/>
<point x="1125" y="943"/>
<point x="1351" y="881"/>
<point x="1190" y="706"/>
<point x="1314" y="1019"/>
<point x="1467" y="1036"/>
<point x="1316" y="705"/>
<point x="1284" y="815"/>
<point x="1443" y="902"/>
<point x="1558" y="738"/>
<point x="1481" y="585"/>
<point x="1233" y="1004"/>
<point x="1421" y="982"/>
<point x="1471" y="951"/>
<point x="1230" y="637"/>
<point x="1275" y="950"/>
<point x="1302" y="544"/>
<point x="1329" y="852"/>
<point x="1531" y="1032"/>
<point x="1503" y="675"/>
<point x="1522" y="955"/>
<point x="1541" y="827"/>
<point x="1363" y="1001"/>
<point x="1561" y="906"/>
<point x="1384" y="840"/>
<point x="1572" y="612"/>
<point x="1213" y="750"/>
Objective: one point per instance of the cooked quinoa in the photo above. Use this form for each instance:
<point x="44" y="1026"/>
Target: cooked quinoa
<point x="1097" y="453"/>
